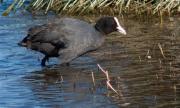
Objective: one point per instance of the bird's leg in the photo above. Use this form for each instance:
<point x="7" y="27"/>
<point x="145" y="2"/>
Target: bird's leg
<point x="66" y="58"/>
<point x="47" y="59"/>
<point x="67" y="55"/>
<point x="65" y="64"/>
<point x="43" y="61"/>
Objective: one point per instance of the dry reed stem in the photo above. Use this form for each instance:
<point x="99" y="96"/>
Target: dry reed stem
<point x="159" y="45"/>
<point x="111" y="87"/>
<point x="140" y="58"/>
<point x="62" y="80"/>
<point x="148" y="54"/>
<point x="93" y="79"/>
<point x="108" y="80"/>
<point x="96" y="6"/>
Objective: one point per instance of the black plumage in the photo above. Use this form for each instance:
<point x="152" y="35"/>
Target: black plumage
<point x="68" y="38"/>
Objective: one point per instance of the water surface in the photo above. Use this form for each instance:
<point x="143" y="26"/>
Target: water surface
<point x="145" y="76"/>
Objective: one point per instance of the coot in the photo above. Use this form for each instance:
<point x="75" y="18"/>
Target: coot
<point x="69" y="38"/>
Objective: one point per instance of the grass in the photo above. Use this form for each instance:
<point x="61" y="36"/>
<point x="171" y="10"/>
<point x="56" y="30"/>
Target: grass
<point x="108" y="7"/>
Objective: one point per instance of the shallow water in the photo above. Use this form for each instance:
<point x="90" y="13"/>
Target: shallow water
<point x="146" y="77"/>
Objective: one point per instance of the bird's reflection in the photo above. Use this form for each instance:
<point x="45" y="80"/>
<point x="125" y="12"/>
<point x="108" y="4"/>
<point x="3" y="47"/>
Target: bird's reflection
<point x="58" y="87"/>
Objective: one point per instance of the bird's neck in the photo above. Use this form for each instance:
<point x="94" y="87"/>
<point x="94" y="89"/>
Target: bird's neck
<point x="98" y="29"/>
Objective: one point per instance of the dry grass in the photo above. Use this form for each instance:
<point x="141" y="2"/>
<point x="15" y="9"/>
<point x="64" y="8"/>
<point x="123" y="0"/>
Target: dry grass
<point x="80" y="7"/>
<point x="118" y="92"/>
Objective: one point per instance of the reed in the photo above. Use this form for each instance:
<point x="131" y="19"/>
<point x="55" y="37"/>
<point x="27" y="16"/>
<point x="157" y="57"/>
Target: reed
<point x="79" y="7"/>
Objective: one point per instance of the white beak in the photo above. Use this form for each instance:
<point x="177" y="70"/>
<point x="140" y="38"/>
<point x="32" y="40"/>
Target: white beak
<point x="119" y="28"/>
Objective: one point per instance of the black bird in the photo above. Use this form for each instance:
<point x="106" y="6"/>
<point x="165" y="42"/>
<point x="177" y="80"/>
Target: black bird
<point x="69" y="38"/>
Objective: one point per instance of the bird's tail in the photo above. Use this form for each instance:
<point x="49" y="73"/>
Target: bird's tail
<point x="25" y="42"/>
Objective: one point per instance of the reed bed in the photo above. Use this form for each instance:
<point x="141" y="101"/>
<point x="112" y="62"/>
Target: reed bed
<point x="108" y="7"/>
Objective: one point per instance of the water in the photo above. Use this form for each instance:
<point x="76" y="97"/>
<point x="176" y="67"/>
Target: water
<point x="135" y="63"/>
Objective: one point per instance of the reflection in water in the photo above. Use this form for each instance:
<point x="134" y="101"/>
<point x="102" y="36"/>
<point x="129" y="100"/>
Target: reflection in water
<point x="65" y="87"/>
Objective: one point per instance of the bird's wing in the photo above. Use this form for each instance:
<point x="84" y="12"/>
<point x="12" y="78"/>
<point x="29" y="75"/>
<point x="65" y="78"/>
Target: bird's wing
<point x="47" y="33"/>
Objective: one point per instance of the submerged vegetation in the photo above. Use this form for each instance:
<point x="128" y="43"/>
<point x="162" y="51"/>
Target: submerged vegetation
<point x="79" y="7"/>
